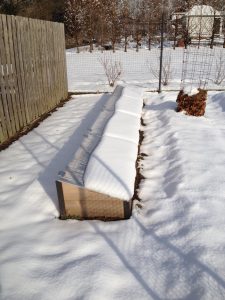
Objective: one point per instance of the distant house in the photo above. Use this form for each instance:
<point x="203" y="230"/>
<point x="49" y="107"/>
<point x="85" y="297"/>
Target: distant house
<point x="200" y="21"/>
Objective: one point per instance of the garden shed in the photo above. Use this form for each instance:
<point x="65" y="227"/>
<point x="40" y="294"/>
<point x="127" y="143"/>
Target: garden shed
<point x="203" y="19"/>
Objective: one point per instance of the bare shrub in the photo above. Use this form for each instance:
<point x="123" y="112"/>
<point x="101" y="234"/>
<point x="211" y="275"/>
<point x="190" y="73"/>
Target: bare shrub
<point x="219" y="67"/>
<point x="112" y="68"/>
<point x="167" y="71"/>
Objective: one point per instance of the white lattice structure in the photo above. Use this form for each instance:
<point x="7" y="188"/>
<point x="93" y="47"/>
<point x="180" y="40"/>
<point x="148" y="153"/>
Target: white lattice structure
<point x="197" y="66"/>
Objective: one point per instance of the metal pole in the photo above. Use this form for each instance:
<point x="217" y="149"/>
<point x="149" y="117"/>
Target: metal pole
<point x="161" y="50"/>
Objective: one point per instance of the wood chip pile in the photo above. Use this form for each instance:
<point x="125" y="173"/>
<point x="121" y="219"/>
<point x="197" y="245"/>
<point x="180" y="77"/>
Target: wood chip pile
<point x="193" y="105"/>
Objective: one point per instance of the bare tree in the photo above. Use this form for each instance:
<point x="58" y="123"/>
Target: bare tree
<point x="10" y="7"/>
<point x="103" y="22"/>
<point x="112" y="68"/>
<point x="220" y="67"/>
<point x="90" y="10"/>
<point x="167" y="71"/>
<point x="106" y="21"/>
<point x="152" y="17"/>
<point x="213" y="30"/>
<point x="125" y="21"/>
<point x="138" y="18"/>
<point x="73" y="19"/>
<point x="224" y="31"/>
<point x="114" y="22"/>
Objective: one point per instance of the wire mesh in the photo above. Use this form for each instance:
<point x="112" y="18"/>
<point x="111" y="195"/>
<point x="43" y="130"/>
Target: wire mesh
<point x="193" y="57"/>
<point x="197" y="67"/>
<point x="86" y="73"/>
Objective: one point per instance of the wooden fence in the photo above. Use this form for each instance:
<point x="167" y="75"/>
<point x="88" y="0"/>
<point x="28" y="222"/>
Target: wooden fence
<point x="33" y="76"/>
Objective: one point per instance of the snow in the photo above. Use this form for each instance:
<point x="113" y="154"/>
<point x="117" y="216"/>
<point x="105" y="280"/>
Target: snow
<point x="75" y="169"/>
<point x="86" y="74"/>
<point x="132" y="106"/>
<point x="111" y="169"/>
<point x="131" y="101"/>
<point x="124" y="126"/>
<point x="190" y="91"/>
<point x="185" y="180"/>
<point x="133" y="92"/>
<point x="171" y="249"/>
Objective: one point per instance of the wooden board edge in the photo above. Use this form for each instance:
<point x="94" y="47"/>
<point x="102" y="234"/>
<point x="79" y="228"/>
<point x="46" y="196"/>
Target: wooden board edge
<point x="127" y="205"/>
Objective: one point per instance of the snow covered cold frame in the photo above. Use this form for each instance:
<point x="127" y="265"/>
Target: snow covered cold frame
<point x="111" y="169"/>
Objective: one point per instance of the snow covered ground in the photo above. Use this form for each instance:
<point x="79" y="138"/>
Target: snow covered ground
<point x="86" y="73"/>
<point x="171" y="249"/>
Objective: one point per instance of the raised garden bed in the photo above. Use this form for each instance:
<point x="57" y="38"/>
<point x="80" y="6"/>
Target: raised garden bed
<point x="99" y="182"/>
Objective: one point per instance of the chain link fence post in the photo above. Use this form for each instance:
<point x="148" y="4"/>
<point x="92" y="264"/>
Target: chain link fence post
<point x="162" y="45"/>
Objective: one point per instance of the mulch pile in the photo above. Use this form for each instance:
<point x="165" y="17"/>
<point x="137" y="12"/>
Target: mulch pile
<point x="193" y="105"/>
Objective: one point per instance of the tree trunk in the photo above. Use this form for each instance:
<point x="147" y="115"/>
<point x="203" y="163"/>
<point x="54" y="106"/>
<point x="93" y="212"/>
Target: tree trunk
<point x="77" y="42"/>
<point x="113" y="46"/>
<point x="137" y="45"/>
<point x="224" y="37"/>
<point x="186" y="37"/>
<point x="91" y="46"/>
<point x="149" y="41"/>
<point x="213" y="32"/>
<point x="175" y="34"/>
<point x="149" y="36"/>
<point x="101" y="42"/>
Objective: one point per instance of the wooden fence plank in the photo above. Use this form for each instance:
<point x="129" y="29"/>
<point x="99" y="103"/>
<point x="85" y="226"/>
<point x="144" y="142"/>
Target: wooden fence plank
<point x="29" y="71"/>
<point x="6" y="101"/>
<point x="2" y="137"/>
<point x="13" y="77"/>
<point x="32" y="68"/>
<point x="44" y="55"/>
<point x="55" y="59"/>
<point x="32" y="71"/>
<point x="19" y="92"/>
<point x="49" y="60"/>
<point x="8" y="78"/>
<point x="3" y="130"/>
<point x="63" y="65"/>
<point x="41" y="77"/>
<point x="3" y="103"/>
<point x="37" y="74"/>
<point x="21" y="41"/>
<point x="59" y="73"/>
<point x="60" y="58"/>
